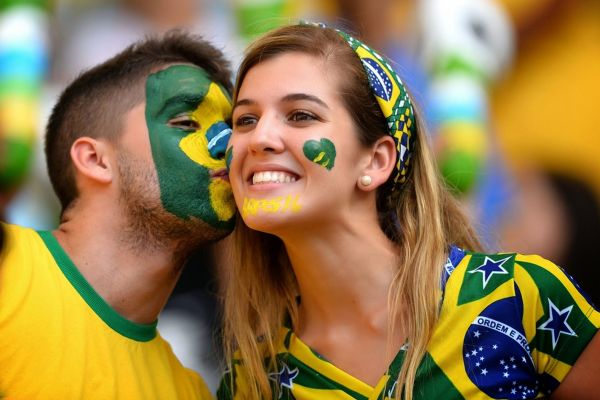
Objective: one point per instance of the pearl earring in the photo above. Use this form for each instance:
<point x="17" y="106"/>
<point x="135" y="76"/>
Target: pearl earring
<point x="365" y="180"/>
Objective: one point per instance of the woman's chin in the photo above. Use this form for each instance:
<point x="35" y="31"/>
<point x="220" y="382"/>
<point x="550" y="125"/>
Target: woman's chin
<point x="266" y="222"/>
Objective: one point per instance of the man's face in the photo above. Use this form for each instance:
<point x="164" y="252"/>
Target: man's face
<point x="186" y="114"/>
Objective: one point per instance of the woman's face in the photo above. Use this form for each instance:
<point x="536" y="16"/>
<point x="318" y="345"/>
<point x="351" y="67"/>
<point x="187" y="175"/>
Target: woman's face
<point x="294" y="155"/>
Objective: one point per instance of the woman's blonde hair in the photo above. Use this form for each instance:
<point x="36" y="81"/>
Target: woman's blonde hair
<point x="422" y="218"/>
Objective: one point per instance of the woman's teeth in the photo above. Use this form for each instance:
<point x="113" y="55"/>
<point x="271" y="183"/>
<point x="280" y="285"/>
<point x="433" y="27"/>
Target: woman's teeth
<point x="272" y="177"/>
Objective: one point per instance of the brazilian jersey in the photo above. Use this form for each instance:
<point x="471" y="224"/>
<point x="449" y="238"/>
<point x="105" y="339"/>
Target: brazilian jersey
<point x="60" y="340"/>
<point x="510" y="327"/>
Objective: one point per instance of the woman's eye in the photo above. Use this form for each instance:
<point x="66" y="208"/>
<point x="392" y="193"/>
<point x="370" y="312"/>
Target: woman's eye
<point x="245" y="120"/>
<point x="299" y="116"/>
<point x="185" y="122"/>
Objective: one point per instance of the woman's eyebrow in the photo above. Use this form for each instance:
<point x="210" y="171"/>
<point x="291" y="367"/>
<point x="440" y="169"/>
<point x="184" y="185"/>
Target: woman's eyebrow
<point x="287" y="98"/>
<point x="304" y="96"/>
<point x="244" y="102"/>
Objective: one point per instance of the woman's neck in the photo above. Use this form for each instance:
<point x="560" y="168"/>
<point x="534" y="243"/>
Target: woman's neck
<point x="343" y="274"/>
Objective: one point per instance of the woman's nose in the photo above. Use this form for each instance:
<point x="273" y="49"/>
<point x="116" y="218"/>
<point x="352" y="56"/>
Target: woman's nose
<point x="266" y="137"/>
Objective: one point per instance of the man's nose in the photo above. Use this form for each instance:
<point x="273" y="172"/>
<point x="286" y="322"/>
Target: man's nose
<point x="218" y="136"/>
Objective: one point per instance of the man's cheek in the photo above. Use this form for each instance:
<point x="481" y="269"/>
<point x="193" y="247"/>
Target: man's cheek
<point x="221" y="199"/>
<point x="195" y="147"/>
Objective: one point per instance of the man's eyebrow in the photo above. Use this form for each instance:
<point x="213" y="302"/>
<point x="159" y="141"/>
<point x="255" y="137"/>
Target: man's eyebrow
<point x="191" y="99"/>
<point x="287" y="98"/>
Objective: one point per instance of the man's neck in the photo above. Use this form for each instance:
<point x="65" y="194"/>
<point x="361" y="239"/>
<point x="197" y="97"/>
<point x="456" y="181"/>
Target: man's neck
<point x="136" y="282"/>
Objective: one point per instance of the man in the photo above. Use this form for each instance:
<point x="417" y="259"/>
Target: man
<point x="135" y="150"/>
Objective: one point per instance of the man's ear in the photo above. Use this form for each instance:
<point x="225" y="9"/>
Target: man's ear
<point x="91" y="159"/>
<point x="380" y="164"/>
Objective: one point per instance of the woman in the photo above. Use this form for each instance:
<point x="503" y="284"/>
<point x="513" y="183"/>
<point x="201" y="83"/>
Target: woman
<point x="348" y="283"/>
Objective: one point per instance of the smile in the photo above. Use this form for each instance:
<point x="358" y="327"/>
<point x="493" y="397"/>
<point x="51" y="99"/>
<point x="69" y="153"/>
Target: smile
<point x="272" y="177"/>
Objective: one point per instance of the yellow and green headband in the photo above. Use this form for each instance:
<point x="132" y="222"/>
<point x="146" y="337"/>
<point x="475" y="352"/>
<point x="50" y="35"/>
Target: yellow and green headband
<point x="393" y="100"/>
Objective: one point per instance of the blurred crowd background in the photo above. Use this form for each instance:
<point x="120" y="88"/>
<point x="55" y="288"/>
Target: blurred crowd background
<point x="510" y="91"/>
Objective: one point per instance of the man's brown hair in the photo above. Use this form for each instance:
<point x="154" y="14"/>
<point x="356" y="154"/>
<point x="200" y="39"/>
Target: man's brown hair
<point x="94" y="103"/>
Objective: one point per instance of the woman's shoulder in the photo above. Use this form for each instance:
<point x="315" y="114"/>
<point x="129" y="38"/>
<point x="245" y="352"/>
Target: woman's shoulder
<point x="480" y="274"/>
<point x="507" y="264"/>
<point x="539" y="289"/>
<point x="504" y="306"/>
<point x="472" y="269"/>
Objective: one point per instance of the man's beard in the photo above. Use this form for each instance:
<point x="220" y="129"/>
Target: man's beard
<point x="149" y="225"/>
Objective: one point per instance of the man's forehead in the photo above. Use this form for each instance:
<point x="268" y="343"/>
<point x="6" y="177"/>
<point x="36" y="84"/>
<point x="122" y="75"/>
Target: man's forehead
<point x="172" y="80"/>
<point x="179" y="70"/>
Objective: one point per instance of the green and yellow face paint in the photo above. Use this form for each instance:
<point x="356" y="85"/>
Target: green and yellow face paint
<point x="321" y="152"/>
<point x="186" y="114"/>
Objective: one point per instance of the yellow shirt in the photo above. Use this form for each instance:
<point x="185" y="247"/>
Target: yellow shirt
<point x="60" y="340"/>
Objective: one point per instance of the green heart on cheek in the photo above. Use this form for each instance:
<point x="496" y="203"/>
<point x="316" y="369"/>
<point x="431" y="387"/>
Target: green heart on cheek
<point x="321" y="152"/>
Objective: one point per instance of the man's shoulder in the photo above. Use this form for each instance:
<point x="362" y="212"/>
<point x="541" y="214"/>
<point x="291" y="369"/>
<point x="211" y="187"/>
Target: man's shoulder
<point x="19" y="243"/>
<point x="16" y="230"/>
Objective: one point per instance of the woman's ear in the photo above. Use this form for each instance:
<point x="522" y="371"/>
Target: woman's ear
<point x="380" y="164"/>
<point x="91" y="159"/>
